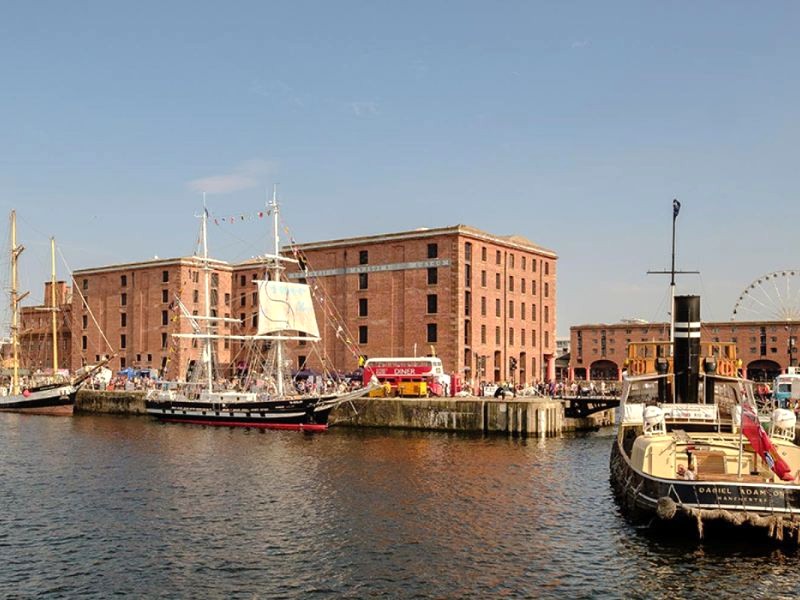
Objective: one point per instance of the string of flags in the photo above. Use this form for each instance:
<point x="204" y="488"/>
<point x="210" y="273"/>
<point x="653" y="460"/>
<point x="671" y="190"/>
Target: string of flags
<point x="231" y="219"/>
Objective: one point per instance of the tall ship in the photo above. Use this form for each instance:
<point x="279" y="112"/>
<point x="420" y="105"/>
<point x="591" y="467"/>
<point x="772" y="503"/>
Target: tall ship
<point x="25" y="395"/>
<point x="269" y="397"/>
<point x="691" y="448"/>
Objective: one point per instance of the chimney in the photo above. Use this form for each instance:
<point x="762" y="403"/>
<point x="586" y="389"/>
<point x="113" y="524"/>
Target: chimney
<point x="686" y="359"/>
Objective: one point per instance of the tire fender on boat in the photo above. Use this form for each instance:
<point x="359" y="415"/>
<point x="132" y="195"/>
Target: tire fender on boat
<point x="666" y="508"/>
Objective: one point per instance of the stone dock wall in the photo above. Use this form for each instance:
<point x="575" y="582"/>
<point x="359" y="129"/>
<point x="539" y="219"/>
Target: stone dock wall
<point x="468" y="414"/>
<point x="524" y="417"/>
<point x="117" y="402"/>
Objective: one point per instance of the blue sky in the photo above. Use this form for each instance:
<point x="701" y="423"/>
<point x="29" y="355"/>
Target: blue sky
<point x="571" y="123"/>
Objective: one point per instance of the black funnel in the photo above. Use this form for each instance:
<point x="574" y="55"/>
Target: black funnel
<point x="686" y="365"/>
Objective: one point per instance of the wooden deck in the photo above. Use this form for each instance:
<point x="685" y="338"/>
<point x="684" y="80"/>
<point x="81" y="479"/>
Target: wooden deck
<point x="734" y="478"/>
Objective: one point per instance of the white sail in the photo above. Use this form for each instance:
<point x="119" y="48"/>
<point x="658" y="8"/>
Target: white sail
<point x="285" y="306"/>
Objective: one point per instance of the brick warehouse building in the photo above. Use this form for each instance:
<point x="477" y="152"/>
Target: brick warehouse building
<point x="134" y="305"/>
<point x="765" y="347"/>
<point x="36" y="331"/>
<point x="484" y="303"/>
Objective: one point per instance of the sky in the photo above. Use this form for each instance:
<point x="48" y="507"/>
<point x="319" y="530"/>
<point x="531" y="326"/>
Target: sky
<point x="574" y="124"/>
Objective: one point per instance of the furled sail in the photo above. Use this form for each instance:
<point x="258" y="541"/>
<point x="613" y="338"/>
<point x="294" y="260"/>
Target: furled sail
<point x="285" y="306"/>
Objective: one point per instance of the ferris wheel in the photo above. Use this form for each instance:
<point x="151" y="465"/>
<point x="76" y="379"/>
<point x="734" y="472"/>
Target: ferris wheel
<point x="772" y="297"/>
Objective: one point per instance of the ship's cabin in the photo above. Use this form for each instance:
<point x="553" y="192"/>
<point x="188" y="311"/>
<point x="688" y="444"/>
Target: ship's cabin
<point x="667" y="438"/>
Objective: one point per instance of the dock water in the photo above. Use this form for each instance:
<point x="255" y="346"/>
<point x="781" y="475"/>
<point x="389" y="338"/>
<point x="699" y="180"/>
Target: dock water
<point x="470" y="414"/>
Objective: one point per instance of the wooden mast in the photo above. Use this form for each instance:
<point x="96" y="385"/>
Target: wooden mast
<point x="14" y="302"/>
<point x="16" y="297"/>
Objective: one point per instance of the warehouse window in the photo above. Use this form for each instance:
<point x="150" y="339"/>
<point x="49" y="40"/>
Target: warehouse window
<point x="433" y="304"/>
<point x="432" y="333"/>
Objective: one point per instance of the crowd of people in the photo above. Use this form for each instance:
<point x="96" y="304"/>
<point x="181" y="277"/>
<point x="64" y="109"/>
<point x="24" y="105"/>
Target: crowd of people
<point x="310" y="386"/>
<point x="320" y="385"/>
<point x="541" y="388"/>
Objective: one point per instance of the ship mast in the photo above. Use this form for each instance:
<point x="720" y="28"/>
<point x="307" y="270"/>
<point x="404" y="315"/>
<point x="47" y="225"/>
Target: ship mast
<point x="53" y="307"/>
<point x="14" y="304"/>
<point x="676" y="208"/>
<point x="276" y="274"/>
<point x="207" y="290"/>
<point x="16" y="298"/>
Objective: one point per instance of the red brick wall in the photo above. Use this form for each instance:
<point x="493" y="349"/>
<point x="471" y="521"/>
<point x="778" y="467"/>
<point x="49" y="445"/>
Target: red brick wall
<point x="144" y="309"/>
<point x="397" y="302"/>
<point x="747" y="336"/>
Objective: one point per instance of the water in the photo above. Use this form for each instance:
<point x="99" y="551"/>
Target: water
<point x="93" y="506"/>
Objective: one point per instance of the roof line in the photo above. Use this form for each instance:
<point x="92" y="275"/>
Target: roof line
<point x="158" y="262"/>
<point x="466" y="230"/>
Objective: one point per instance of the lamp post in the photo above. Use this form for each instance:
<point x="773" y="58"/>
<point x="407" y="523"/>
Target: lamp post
<point x="790" y="345"/>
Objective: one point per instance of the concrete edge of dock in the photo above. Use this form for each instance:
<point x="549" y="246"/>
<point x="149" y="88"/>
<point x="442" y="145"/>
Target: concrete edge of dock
<point x="469" y="414"/>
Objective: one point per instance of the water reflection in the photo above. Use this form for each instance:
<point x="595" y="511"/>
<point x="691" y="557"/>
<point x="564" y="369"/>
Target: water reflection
<point x="101" y="504"/>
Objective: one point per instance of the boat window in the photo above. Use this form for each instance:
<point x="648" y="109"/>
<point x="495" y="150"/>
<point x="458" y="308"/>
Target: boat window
<point x="643" y="392"/>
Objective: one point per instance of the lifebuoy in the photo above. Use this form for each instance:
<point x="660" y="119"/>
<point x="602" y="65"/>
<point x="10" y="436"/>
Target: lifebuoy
<point x="725" y="369"/>
<point x="638" y="366"/>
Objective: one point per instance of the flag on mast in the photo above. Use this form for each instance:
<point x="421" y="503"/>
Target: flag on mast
<point x="676" y="208"/>
<point x="759" y="440"/>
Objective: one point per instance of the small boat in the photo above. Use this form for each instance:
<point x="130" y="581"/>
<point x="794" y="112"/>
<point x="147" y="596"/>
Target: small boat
<point x="691" y="450"/>
<point x="53" y="397"/>
<point x="285" y="313"/>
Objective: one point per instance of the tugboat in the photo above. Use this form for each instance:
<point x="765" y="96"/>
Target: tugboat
<point x="691" y="449"/>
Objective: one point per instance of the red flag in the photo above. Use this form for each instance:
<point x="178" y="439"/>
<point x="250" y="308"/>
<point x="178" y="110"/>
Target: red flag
<point x="758" y="438"/>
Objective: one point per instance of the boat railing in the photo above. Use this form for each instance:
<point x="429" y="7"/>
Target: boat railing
<point x="642" y="357"/>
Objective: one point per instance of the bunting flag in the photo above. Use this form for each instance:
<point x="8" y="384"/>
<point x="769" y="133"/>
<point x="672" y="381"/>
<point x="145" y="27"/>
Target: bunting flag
<point x="225" y="219"/>
<point x="758" y="438"/>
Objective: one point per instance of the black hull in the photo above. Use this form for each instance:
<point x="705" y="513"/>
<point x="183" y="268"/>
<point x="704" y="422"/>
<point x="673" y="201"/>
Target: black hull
<point x="308" y="414"/>
<point x="51" y="399"/>
<point x="668" y="504"/>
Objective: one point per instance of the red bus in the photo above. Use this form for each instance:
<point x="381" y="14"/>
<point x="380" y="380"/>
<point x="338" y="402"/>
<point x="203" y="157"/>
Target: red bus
<point x="401" y="369"/>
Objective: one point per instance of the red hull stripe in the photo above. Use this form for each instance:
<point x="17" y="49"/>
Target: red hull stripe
<point x="291" y="426"/>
